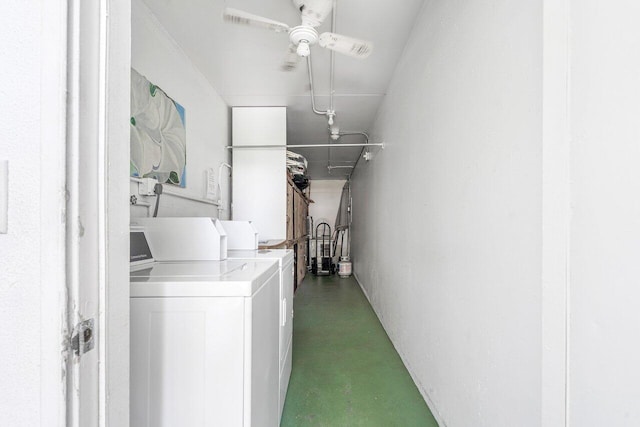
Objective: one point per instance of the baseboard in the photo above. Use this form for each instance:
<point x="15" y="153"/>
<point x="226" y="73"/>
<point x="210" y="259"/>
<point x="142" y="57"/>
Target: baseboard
<point x="430" y="403"/>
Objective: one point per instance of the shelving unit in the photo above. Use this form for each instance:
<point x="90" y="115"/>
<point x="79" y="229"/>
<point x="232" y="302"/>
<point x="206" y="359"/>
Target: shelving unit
<point x="297" y="212"/>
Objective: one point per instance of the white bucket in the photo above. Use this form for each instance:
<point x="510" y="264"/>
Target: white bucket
<point x="344" y="267"/>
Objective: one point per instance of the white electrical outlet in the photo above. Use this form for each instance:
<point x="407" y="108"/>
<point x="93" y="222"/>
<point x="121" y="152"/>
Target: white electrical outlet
<point x="4" y="195"/>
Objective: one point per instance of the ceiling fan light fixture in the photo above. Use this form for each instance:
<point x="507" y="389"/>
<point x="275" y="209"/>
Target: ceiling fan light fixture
<point x="303" y="37"/>
<point x="303" y="49"/>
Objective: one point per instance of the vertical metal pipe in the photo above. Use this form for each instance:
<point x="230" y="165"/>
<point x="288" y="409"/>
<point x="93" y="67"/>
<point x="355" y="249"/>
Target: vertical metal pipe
<point x="329" y="156"/>
<point x="332" y="62"/>
<point x="334" y="13"/>
<point x="331" y="70"/>
<point x="313" y="96"/>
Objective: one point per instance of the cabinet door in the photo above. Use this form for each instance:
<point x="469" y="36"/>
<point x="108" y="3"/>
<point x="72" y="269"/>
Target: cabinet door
<point x="301" y="262"/>
<point x="301" y="210"/>
<point x="187" y="361"/>
<point x="291" y="235"/>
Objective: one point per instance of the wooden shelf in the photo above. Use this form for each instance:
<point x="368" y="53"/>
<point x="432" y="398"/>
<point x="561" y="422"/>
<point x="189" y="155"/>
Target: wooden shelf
<point x="297" y="212"/>
<point x="273" y="244"/>
<point x="296" y="189"/>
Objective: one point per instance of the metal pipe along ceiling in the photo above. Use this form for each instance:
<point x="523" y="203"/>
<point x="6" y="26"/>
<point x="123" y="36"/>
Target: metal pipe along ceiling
<point x="346" y="133"/>
<point x="330" y="112"/>
<point x="364" y="147"/>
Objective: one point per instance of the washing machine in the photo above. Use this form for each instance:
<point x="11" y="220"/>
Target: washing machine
<point x="284" y="258"/>
<point x="242" y="243"/>
<point x="190" y="239"/>
<point x="204" y="341"/>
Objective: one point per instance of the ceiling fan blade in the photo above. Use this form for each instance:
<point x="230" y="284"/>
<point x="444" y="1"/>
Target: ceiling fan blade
<point x="314" y="12"/>
<point x="291" y="59"/>
<point x="346" y="45"/>
<point x="240" y="17"/>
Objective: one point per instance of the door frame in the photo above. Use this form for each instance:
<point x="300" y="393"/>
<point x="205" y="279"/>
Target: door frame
<point x="97" y="202"/>
<point x="53" y="307"/>
<point x="116" y="16"/>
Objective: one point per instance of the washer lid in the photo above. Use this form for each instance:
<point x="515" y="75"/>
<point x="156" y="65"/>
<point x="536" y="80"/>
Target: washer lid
<point x="201" y="278"/>
<point x="283" y="256"/>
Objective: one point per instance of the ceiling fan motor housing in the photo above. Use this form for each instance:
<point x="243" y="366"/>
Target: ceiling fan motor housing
<point x="306" y="35"/>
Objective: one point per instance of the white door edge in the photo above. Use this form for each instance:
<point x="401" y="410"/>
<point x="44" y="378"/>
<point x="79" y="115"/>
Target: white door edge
<point x="97" y="212"/>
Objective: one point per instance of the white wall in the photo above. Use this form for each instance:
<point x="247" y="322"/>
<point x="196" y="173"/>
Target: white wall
<point x="604" y="346"/>
<point x="555" y="211"/>
<point x="32" y="88"/>
<point x="447" y="218"/>
<point x="156" y="55"/>
<point x="326" y="197"/>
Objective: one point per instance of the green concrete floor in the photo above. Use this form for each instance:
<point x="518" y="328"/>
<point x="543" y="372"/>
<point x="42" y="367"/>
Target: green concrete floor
<point x="346" y="372"/>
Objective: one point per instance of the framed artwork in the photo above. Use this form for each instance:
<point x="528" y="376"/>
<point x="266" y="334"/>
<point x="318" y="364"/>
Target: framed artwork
<point x="158" y="134"/>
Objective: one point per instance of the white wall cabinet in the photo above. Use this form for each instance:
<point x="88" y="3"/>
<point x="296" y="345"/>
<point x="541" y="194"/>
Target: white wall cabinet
<point x="260" y="174"/>
<point x="262" y="193"/>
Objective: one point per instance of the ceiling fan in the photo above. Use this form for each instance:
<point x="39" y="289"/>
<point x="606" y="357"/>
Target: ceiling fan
<point x="302" y="37"/>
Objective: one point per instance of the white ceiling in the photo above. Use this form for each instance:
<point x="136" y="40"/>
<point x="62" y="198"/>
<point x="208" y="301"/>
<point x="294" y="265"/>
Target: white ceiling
<point x="243" y="64"/>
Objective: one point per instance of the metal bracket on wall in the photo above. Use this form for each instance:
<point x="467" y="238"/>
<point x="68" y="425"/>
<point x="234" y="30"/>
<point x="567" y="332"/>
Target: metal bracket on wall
<point x="82" y="339"/>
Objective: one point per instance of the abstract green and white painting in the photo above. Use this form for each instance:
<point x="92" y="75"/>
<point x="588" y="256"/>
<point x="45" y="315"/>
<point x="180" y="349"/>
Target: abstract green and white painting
<point x="158" y="133"/>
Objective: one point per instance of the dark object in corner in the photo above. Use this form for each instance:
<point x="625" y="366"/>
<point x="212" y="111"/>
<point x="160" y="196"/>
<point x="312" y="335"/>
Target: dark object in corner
<point x="301" y="181"/>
